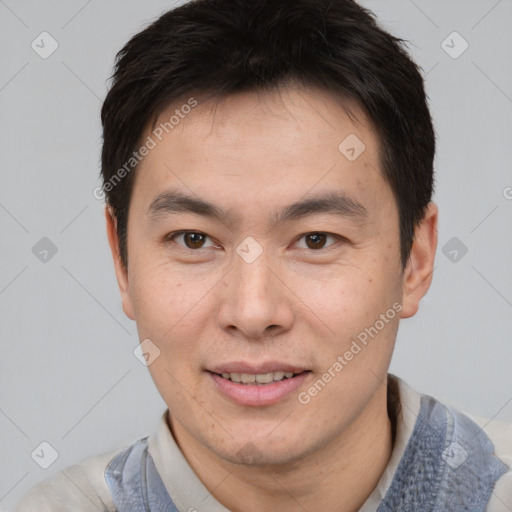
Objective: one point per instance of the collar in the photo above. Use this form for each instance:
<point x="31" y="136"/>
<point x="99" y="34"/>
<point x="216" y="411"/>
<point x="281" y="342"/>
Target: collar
<point x="181" y="481"/>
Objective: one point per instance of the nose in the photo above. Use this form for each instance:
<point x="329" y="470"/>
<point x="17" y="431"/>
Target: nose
<point x="256" y="302"/>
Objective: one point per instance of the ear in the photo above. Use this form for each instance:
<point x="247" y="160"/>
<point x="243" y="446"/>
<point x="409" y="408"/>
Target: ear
<point x="417" y="275"/>
<point x="121" y="270"/>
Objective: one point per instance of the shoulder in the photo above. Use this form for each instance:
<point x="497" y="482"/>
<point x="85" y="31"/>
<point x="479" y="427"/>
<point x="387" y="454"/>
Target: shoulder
<point x="81" y="487"/>
<point x="497" y="432"/>
<point x="500" y="433"/>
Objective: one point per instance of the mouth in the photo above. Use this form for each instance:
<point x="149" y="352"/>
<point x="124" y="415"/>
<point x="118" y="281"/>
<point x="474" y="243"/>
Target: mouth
<point x="258" y="378"/>
<point x="258" y="385"/>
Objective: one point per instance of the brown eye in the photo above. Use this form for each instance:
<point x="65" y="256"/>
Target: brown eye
<point x="315" y="240"/>
<point x="318" y="240"/>
<point x="191" y="240"/>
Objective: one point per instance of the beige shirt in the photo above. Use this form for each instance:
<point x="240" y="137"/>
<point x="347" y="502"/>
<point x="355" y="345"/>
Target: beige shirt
<point x="82" y="487"/>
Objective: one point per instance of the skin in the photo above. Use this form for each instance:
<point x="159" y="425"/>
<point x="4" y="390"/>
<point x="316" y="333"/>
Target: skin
<point x="252" y="154"/>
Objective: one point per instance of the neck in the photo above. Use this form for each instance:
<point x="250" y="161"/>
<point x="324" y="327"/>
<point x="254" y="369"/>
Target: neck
<point x="339" y="476"/>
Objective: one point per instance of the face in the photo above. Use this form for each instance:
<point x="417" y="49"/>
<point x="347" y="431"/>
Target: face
<point x="261" y="250"/>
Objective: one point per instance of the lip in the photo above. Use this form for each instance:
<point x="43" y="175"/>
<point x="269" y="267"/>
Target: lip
<point x="257" y="395"/>
<point x="266" y="367"/>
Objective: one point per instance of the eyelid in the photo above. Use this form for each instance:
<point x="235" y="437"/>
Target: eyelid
<point x="338" y="238"/>
<point x="171" y="236"/>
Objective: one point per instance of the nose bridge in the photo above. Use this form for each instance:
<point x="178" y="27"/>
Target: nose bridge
<point x="252" y="282"/>
<point x="255" y="300"/>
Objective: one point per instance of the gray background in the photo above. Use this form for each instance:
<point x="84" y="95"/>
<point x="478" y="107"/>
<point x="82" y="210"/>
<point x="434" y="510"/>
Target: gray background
<point x="68" y="373"/>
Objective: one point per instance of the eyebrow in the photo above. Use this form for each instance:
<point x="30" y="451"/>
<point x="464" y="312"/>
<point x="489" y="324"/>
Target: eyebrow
<point x="333" y="203"/>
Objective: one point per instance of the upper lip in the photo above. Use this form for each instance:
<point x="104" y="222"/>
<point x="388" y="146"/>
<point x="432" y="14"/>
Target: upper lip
<point x="256" y="368"/>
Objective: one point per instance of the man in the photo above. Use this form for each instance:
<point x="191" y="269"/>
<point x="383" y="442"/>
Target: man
<point x="268" y="172"/>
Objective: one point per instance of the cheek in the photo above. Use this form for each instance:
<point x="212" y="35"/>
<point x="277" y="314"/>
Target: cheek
<point x="348" y="297"/>
<point x="347" y="305"/>
<point x="171" y="310"/>
<point x="170" y="304"/>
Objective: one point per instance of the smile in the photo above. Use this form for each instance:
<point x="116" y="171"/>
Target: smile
<point x="258" y="389"/>
<point x="259" y="378"/>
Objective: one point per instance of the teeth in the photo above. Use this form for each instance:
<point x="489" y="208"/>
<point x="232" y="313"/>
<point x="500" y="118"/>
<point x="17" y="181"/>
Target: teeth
<point x="260" y="378"/>
<point x="264" y="378"/>
<point x="247" y="378"/>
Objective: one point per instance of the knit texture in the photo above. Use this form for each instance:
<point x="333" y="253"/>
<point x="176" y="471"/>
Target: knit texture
<point x="448" y="466"/>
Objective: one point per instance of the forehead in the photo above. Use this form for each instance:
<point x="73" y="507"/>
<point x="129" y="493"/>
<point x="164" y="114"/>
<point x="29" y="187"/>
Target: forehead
<point x="251" y="148"/>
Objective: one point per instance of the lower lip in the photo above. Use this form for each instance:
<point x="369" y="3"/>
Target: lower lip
<point x="258" y="394"/>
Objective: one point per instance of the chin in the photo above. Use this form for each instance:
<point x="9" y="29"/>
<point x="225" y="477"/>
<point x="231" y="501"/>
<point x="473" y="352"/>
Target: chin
<point x="259" y="452"/>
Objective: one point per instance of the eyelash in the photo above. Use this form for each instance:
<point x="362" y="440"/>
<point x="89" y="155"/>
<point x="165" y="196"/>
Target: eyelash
<point x="171" y="236"/>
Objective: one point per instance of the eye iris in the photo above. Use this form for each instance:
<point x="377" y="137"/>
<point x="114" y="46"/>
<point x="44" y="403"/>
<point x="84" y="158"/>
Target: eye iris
<point x="315" y="240"/>
<point x="193" y="240"/>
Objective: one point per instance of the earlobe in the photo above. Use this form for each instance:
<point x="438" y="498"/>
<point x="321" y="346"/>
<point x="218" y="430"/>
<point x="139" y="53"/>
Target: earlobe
<point x="120" y="269"/>
<point x="418" y="272"/>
